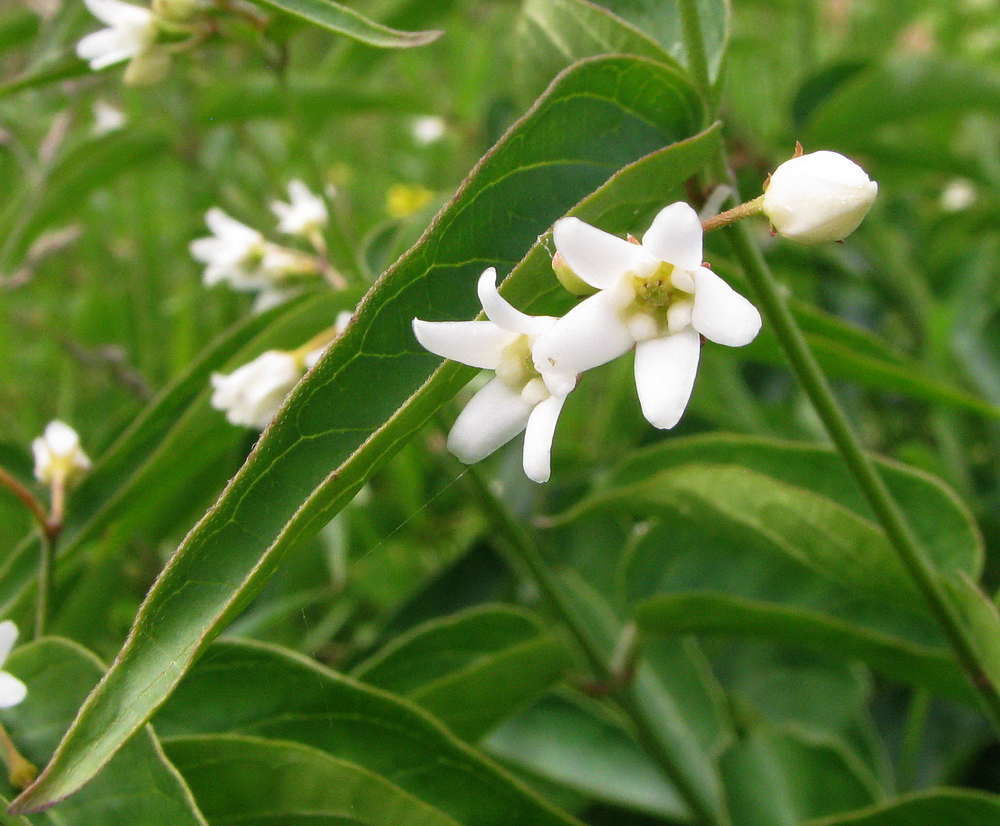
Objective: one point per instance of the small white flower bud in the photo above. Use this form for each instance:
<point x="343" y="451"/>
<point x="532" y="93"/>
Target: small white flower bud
<point x="58" y="455"/>
<point x="818" y="197"/>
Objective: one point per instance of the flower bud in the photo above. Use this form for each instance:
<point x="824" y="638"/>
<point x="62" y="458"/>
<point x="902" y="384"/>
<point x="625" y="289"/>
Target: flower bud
<point x="58" y="455"/>
<point x="176" y="11"/>
<point x="148" y="67"/>
<point x="818" y="197"/>
<point x="569" y="279"/>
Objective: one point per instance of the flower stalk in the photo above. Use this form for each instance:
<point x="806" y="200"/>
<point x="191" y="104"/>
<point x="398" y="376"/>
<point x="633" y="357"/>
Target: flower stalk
<point x="813" y="381"/>
<point x="738" y="213"/>
<point x="21" y="772"/>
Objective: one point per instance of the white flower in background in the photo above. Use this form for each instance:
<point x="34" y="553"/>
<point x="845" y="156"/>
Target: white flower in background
<point x="234" y="253"/>
<point x="655" y="295"/>
<point x="958" y="194"/>
<point x="427" y="130"/>
<point x="58" y="455"/>
<point x="12" y="690"/>
<point x="521" y="397"/>
<point x="304" y="215"/>
<point x="818" y="197"/>
<point x="107" y="118"/>
<point x="252" y="394"/>
<point x="131" y="35"/>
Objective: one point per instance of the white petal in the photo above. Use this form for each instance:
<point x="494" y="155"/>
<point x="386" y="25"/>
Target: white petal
<point x="597" y="257"/>
<point x="8" y="636"/>
<point x="675" y="236"/>
<point x="501" y="313"/>
<point x="494" y="416"/>
<point x="117" y="13"/>
<point x="476" y="343"/>
<point x="106" y="47"/>
<point x="12" y="690"/>
<point x="538" y="435"/>
<point x="664" y="376"/>
<point x="590" y="334"/>
<point x="62" y="438"/>
<point x="720" y="313"/>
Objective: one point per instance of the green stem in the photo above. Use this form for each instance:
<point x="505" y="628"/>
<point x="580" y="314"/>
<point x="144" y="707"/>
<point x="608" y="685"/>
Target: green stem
<point x="694" y="45"/>
<point x="528" y="555"/>
<point x="777" y="314"/>
<point x="43" y="599"/>
<point x="913" y="739"/>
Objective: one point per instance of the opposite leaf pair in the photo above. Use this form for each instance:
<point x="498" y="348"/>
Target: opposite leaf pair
<point x="655" y="296"/>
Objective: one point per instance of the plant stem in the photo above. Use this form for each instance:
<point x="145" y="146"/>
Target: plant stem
<point x="737" y="213"/>
<point x="529" y="556"/>
<point x="793" y="344"/>
<point x="46" y="552"/>
<point x="28" y="499"/>
<point x="21" y="772"/>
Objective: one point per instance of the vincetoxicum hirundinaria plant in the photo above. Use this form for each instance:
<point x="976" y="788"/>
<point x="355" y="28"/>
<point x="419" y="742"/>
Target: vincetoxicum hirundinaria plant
<point x="544" y="607"/>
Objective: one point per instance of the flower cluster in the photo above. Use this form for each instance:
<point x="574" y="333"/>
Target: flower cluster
<point x="655" y="296"/>
<point x="243" y="258"/>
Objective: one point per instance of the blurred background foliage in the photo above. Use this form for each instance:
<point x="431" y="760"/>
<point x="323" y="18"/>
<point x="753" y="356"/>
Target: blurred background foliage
<point x="102" y="307"/>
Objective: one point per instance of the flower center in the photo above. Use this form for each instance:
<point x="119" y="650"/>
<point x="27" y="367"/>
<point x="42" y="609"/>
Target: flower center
<point x="516" y="368"/>
<point x="658" y="307"/>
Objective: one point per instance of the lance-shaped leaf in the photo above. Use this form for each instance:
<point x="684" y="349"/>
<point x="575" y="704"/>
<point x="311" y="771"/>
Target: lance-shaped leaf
<point x="472" y="669"/>
<point x="956" y="807"/>
<point x="257" y="690"/>
<point x="360" y="402"/>
<point x="345" y="21"/>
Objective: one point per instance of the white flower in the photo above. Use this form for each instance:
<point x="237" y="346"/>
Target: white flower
<point x="655" y="295"/>
<point x="107" y="118"/>
<point x="233" y="253"/>
<point x="131" y="35"/>
<point x="427" y="130"/>
<point x="818" y="197"/>
<point x="958" y="194"/>
<point x="252" y="394"/>
<point x="520" y="397"/>
<point x="58" y="455"/>
<point x="12" y="690"/>
<point x="305" y="214"/>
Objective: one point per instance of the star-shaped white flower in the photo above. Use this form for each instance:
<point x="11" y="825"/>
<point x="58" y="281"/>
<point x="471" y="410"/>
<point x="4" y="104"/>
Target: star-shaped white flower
<point x="304" y="215"/>
<point x="656" y="295"/>
<point x="58" y="455"/>
<point x="232" y="253"/>
<point x="12" y="690"/>
<point x="131" y="35"/>
<point x="520" y="397"/>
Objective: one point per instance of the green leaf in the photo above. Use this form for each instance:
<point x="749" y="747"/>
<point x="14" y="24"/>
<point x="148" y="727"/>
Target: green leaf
<point x="981" y="620"/>
<point x="258" y="782"/>
<point x="662" y="22"/>
<point x="858" y="357"/>
<point x="345" y="21"/>
<point x="472" y="669"/>
<point x="715" y="613"/>
<point x="552" y="34"/>
<point x="568" y="740"/>
<point x="139" y="785"/>
<point x="900" y="90"/>
<point x="258" y="690"/>
<point x="323" y="445"/>
<point x="783" y="778"/>
<point x="955" y="807"/>
<point x="796" y="501"/>
<point x="49" y="72"/>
